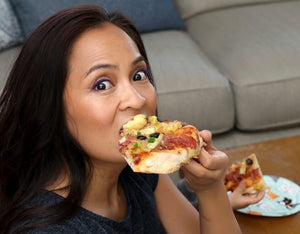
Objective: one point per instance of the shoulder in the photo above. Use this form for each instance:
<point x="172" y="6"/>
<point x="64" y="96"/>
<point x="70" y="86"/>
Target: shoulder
<point x="65" y="227"/>
<point x="60" y="229"/>
<point x="80" y="223"/>
<point x="47" y="199"/>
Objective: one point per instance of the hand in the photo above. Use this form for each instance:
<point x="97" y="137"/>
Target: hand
<point x="239" y="199"/>
<point x="207" y="171"/>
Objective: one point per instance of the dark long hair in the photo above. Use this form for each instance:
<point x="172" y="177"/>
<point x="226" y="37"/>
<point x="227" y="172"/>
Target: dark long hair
<point x="36" y="145"/>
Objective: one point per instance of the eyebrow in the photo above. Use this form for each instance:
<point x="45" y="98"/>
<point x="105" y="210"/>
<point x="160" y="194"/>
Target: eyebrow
<point x="111" y="66"/>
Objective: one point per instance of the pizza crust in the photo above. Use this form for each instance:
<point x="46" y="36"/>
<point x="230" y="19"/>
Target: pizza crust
<point x="260" y="186"/>
<point x="164" y="162"/>
<point x="160" y="162"/>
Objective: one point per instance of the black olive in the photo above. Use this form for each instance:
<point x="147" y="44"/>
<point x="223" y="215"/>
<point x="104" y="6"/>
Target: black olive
<point x="249" y="161"/>
<point x="155" y="135"/>
<point x="141" y="137"/>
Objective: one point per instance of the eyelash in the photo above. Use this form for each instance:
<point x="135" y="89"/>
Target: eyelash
<point x="144" y="70"/>
<point x="98" y="82"/>
<point x="101" y="81"/>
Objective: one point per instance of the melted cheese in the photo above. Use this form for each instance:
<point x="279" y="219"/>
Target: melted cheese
<point x="243" y="168"/>
<point x="147" y="130"/>
<point x="138" y="122"/>
<point x="151" y="146"/>
<point x="153" y="119"/>
<point x="168" y="127"/>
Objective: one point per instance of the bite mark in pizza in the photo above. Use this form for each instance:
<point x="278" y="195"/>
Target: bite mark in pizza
<point x="151" y="146"/>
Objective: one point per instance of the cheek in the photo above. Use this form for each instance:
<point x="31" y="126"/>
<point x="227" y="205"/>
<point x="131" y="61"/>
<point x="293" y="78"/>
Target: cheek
<point x="89" y="121"/>
<point x="152" y="101"/>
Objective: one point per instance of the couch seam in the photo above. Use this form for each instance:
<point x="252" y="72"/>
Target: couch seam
<point x="189" y="90"/>
<point x="233" y="7"/>
<point x="266" y="82"/>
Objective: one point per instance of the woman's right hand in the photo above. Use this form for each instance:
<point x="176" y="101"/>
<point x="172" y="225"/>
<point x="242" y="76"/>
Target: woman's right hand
<point x="207" y="171"/>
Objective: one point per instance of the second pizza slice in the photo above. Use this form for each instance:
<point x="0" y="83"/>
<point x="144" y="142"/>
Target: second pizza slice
<point x="249" y="170"/>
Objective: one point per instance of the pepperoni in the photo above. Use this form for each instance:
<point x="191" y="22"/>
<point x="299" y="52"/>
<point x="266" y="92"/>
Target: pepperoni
<point x="234" y="176"/>
<point x="255" y="174"/>
<point x="184" y="141"/>
<point x="124" y="144"/>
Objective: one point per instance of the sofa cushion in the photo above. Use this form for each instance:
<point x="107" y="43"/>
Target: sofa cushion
<point x="258" y="48"/>
<point x="148" y="15"/>
<point x="189" y="87"/>
<point x="7" y="58"/>
<point x="10" y="32"/>
<point x="188" y="8"/>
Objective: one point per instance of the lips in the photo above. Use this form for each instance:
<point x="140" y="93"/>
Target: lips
<point x="121" y="129"/>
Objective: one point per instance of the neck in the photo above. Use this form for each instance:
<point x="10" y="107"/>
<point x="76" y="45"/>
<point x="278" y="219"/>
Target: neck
<point x="104" y="196"/>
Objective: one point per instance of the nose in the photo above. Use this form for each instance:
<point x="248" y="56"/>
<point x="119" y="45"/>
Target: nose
<point x="131" y="98"/>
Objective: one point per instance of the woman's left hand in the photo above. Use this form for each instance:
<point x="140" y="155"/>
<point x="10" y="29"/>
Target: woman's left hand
<point x="239" y="199"/>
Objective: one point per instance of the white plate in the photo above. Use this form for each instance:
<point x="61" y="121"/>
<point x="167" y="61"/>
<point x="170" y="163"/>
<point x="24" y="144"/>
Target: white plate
<point x="282" y="198"/>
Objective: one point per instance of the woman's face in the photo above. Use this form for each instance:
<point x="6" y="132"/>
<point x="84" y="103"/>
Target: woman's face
<point x="106" y="86"/>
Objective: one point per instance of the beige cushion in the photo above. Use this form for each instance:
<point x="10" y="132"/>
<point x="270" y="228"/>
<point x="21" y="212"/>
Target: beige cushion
<point x="7" y="58"/>
<point x="188" y="8"/>
<point x="258" y="48"/>
<point x="236" y="138"/>
<point x="189" y="87"/>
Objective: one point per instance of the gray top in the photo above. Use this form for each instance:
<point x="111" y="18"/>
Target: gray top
<point x="141" y="207"/>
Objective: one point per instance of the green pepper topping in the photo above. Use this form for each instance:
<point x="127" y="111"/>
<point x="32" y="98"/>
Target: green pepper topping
<point x="138" y="133"/>
<point x="137" y="145"/>
<point x="151" y="139"/>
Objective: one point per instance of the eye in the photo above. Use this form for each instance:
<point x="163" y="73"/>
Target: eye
<point x="140" y="75"/>
<point x="101" y="85"/>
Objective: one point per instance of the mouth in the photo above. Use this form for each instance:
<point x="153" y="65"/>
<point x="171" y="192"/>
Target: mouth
<point x="121" y="131"/>
<point x="134" y="117"/>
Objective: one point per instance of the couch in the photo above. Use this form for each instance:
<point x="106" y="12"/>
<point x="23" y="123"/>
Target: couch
<point x="234" y="70"/>
<point x="228" y="66"/>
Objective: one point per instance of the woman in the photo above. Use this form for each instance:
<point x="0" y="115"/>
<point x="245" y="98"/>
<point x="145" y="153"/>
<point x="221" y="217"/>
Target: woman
<point x="79" y="77"/>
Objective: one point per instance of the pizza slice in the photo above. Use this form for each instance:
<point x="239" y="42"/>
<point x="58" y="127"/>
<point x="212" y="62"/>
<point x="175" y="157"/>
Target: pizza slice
<point x="249" y="170"/>
<point x="151" y="146"/>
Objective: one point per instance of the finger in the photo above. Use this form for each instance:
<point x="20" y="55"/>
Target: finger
<point x="207" y="138"/>
<point x="215" y="161"/>
<point x="255" y="198"/>
<point x="250" y="199"/>
<point x="194" y="168"/>
<point x="241" y="187"/>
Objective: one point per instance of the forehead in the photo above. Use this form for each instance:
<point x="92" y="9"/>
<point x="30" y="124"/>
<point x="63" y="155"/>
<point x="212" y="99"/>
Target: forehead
<point x="104" y="42"/>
